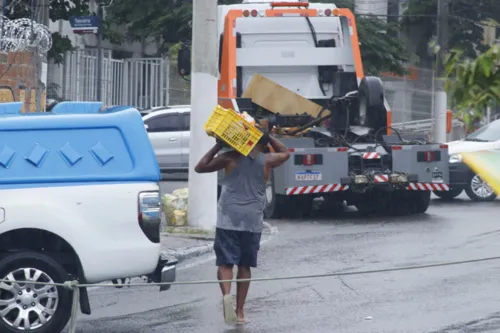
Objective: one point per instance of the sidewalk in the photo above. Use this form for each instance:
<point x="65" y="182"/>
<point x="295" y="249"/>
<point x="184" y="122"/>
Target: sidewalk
<point x="186" y="246"/>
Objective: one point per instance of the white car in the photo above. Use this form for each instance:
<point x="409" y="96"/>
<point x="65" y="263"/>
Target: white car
<point x="461" y="176"/>
<point x="168" y="131"/>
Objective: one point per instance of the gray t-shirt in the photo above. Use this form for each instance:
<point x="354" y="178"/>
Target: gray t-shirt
<point x="241" y="203"/>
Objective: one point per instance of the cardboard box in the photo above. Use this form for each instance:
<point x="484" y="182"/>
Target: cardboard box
<point x="278" y="99"/>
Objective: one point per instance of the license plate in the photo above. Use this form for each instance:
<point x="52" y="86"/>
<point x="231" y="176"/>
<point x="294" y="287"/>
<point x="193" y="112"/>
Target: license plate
<point x="306" y="176"/>
<point x="437" y="177"/>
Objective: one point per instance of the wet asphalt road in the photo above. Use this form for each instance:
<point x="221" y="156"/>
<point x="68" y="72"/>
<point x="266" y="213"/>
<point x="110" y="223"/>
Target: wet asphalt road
<point x="439" y="300"/>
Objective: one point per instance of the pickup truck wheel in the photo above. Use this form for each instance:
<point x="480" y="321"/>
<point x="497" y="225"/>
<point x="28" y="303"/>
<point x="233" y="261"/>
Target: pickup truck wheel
<point x="29" y="307"/>
<point x="478" y="190"/>
<point x="448" y="195"/>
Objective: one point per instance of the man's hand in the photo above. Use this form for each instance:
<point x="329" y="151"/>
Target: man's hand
<point x="209" y="162"/>
<point x="281" y="155"/>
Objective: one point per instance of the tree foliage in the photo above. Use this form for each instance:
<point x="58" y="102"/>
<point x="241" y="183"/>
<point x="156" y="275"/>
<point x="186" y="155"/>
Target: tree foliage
<point x="466" y="24"/>
<point x="473" y="84"/>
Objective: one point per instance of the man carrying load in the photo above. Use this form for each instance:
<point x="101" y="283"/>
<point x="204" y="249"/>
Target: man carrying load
<point x="240" y="214"/>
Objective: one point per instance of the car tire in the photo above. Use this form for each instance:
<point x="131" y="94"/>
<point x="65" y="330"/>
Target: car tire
<point x="448" y="195"/>
<point x="55" y="300"/>
<point x="478" y="190"/>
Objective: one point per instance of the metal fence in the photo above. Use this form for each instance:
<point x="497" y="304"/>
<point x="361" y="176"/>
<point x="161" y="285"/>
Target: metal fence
<point x="411" y="99"/>
<point x="139" y="82"/>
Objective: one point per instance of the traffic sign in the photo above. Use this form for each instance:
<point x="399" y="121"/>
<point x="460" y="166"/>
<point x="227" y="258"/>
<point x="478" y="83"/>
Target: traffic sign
<point x="84" y="24"/>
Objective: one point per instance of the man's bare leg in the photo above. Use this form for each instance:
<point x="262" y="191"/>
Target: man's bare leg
<point x="225" y="272"/>
<point x="242" y="291"/>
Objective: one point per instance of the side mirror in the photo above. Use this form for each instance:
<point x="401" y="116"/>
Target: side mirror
<point x="184" y="61"/>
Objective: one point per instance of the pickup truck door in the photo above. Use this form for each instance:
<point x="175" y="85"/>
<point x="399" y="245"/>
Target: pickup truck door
<point x="185" y="141"/>
<point x="165" y="133"/>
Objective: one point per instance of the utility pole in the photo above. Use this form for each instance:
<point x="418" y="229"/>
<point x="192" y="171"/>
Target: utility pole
<point x="442" y="33"/>
<point x="202" y="200"/>
<point x="40" y="59"/>
<point x="440" y="96"/>
<point x="99" y="51"/>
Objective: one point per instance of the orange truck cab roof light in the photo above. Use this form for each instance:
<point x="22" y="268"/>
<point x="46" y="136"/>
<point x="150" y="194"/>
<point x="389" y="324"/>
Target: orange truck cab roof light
<point x="289" y="4"/>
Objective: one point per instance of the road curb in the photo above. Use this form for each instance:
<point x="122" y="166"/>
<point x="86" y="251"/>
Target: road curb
<point x="185" y="254"/>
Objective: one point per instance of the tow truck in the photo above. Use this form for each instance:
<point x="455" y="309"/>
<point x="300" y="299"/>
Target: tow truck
<point x="348" y="152"/>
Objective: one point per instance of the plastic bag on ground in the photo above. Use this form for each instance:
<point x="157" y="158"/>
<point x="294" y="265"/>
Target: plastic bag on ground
<point x="175" y="207"/>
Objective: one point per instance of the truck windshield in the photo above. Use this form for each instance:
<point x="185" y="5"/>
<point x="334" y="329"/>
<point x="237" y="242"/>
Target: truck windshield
<point x="490" y="132"/>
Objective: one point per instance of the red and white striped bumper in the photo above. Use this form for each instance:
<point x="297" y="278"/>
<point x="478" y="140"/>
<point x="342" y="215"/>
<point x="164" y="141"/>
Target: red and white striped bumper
<point x="428" y="187"/>
<point x="415" y="186"/>
<point x="315" y="189"/>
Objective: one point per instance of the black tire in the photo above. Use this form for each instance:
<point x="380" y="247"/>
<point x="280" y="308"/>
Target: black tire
<point x="371" y="112"/>
<point x="474" y="194"/>
<point x="275" y="203"/>
<point x="449" y="195"/>
<point x="51" y="269"/>
<point x="400" y="203"/>
<point x="421" y="201"/>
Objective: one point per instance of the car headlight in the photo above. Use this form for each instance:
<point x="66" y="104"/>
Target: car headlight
<point x="455" y="158"/>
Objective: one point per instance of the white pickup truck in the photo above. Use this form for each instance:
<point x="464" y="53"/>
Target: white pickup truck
<point x="79" y="200"/>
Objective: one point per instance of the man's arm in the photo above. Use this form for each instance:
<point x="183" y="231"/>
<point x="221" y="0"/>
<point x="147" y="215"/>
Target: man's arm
<point x="280" y="156"/>
<point x="211" y="163"/>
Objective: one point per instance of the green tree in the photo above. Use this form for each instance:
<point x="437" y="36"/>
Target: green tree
<point x="473" y="85"/>
<point x="466" y="24"/>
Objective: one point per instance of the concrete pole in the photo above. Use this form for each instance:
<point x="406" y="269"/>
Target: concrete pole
<point x="440" y="105"/>
<point x="41" y="60"/>
<point x="202" y="200"/>
<point x="99" y="52"/>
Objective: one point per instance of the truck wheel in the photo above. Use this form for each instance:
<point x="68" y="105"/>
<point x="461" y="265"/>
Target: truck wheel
<point x="29" y="307"/>
<point x="372" y="112"/>
<point x="448" y="195"/>
<point x="421" y="201"/>
<point x="366" y="208"/>
<point x="275" y="203"/>
<point x="219" y="190"/>
<point x="478" y="190"/>
<point x="400" y="203"/>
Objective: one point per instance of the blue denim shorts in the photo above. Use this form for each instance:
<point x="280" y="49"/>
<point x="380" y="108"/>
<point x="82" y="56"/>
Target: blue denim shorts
<point x="238" y="248"/>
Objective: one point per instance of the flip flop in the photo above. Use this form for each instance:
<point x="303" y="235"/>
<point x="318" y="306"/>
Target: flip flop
<point x="229" y="313"/>
<point x="242" y="322"/>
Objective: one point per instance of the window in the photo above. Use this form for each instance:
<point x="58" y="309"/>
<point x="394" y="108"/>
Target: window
<point x="187" y="120"/>
<point x="165" y="123"/>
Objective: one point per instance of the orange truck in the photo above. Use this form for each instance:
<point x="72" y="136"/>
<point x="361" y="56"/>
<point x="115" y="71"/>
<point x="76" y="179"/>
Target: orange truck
<point x="269" y="50"/>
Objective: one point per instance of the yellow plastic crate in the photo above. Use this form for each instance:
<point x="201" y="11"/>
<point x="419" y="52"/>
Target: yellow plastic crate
<point x="230" y="127"/>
